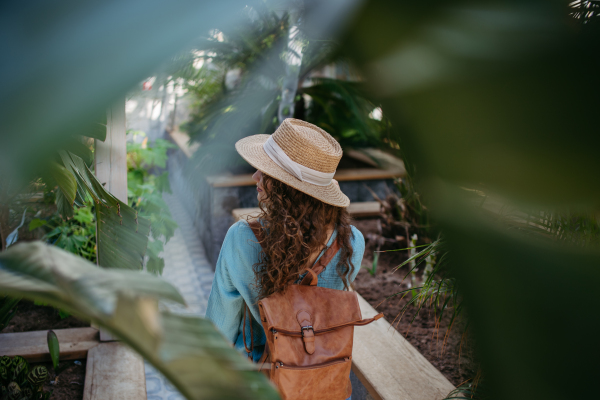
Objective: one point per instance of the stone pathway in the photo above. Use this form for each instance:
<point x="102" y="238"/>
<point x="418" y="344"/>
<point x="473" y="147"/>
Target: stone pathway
<point x="188" y="269"/>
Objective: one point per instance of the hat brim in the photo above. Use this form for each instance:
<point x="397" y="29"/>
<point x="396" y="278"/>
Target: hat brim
<point x="251" y="149"/>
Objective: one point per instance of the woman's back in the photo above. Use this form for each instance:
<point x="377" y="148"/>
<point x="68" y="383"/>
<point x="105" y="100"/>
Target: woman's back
<point x="234" y="283"/>
<point x="303" y="211"/>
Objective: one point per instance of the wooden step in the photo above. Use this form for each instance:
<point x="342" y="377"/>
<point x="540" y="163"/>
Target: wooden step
<point x="389" y="367"/>
<point x="356" y="210"/>
<point x="350" y="174"/>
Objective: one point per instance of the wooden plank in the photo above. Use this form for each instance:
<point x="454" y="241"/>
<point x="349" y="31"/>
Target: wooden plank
<point x="350" y="174"/>
<point x="356" y="210"/>
<point x="365" y="174"/>
<point x="390" y="367"/>
<point x="113" y="371"/>
<point x="74" y="343"/>
<point x="364" y="209"/>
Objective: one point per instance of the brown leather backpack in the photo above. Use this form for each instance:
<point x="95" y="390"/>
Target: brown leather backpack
<point x="309" y="332"/>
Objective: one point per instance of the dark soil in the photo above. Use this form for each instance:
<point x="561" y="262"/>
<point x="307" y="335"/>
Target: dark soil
<point x="69" y="383"/>
<point x="451" y="354"/>
<point x="30" y="317"/>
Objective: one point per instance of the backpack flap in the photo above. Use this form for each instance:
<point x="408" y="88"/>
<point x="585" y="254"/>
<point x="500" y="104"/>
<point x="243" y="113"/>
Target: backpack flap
<point x="301" y="306"/>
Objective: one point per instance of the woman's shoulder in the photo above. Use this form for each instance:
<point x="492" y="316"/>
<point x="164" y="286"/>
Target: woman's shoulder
<point x="241" y="244"/>
<point x="240" y="230"/>
<point x="357" y="241"/>
<point x="357" y="236"/>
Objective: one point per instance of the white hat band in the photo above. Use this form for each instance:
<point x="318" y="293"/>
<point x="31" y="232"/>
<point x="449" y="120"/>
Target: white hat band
<point x="301" y="172"/>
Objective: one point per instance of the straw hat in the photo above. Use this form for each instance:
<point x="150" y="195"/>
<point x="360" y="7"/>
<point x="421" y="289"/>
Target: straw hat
<point x="299" y="154"/>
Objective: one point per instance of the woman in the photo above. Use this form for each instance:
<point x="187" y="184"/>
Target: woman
<point x="302" y="211"/>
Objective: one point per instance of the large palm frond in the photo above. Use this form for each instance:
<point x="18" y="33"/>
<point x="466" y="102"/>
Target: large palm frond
<point x="188" y="350"/>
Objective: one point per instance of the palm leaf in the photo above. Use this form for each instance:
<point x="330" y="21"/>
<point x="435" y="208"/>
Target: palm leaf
<point x="189" y="351"/>
<point x="67" y="189"/>
<point x="122" y="234"/>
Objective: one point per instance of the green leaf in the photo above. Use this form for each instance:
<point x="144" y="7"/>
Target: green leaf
<point x="67" y="189"/>
<point x="96" y="128"/>
<point x="155" y="263"/>
<point x="37" y="223"/>
<point x="63" y="205"/>
<point x="53" y="348"/>
<point x="83" y="215"/>
<point x="162" y="182"/>
<point x="189" y="351"/>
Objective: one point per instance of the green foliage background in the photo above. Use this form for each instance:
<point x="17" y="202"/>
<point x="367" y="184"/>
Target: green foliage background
<point x="145" y="186"/>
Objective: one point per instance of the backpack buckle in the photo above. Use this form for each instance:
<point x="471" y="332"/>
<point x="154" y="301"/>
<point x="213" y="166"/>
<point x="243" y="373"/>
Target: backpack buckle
<point x="306" y="328"/>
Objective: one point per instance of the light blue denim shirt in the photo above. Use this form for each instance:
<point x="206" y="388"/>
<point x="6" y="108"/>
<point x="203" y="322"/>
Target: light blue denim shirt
<point x="233" y="284"/>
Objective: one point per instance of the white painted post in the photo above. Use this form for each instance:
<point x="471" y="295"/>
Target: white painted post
<point x="111" y="155"/>
<point x="110" y="162"/>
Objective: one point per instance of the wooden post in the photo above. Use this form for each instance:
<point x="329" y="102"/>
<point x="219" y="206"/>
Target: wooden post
<point x="114" y="372"/>
<point x="111" y="155"/>
<point x="110" y="162"/>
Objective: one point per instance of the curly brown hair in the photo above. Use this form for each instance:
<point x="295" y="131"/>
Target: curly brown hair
<point x="294" y="226"/>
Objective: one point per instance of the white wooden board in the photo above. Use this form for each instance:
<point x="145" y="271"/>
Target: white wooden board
<point x="390" y="367"/>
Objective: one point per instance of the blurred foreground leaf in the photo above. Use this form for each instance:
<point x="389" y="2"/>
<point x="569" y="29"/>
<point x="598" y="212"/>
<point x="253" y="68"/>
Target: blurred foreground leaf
<point x="189" y="351"/>
<point x="497" y="97"/>
<point x="488" y="92"/>
<point x="532" y="303"/>
<point x="66" y="60"/>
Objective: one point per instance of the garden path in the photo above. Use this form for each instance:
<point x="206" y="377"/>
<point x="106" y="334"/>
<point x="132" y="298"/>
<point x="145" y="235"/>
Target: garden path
<point x="188" y="269"/>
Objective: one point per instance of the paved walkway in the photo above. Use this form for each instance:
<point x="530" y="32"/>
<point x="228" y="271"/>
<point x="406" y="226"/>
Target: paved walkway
<point x="187" y="268"/>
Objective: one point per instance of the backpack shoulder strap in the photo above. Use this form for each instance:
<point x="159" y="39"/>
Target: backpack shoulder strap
<point x="311" y="278"/>
<point x="256" y="228"/>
